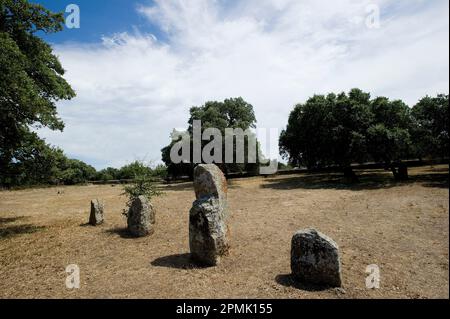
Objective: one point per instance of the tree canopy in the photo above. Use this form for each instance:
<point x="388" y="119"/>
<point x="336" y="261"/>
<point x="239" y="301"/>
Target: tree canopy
<point x="353" y="128"/>
<point x="233" y="113"/>
<point x="327" y="130"/>
<point x="31" y="82"/>
<point x="431" y="135"/>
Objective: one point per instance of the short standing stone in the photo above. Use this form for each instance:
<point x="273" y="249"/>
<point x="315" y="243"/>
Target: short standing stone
<point x="315" y="259"/>
<point x="141" y="217"/>
<point x="97" y="210"/>
<point x="208" y="229"/>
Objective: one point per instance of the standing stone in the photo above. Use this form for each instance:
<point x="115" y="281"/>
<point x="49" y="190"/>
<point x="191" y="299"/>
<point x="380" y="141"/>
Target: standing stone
<point x="315" y="258"/>
<point x="141" y="217"/>
<point x="208" y="230"/>
<point x="97" y="210"/>
<point x="209" y="181"/>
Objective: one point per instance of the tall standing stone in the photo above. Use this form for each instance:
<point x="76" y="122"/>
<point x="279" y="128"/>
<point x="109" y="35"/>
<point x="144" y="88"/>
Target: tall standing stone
<point x="208" y="229"/>
<point x="315" y="258"/>
<point x="97" y="210"/>
<point x="141" y="217"/>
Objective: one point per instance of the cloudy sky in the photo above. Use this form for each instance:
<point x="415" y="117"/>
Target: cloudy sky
<point x="138" y="67"/>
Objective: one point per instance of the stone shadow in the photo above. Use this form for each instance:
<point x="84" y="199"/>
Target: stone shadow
<point x="86" y="225"/>
<point x="122" y="232"/>
<point x="6" y="220"/>
<point x="288" y="280"/>
<point x="178" y="261"/>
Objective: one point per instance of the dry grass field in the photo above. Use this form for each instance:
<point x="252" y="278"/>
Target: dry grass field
<point x="401" y="227"/>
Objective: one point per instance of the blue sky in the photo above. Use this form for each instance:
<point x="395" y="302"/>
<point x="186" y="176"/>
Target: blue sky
<point x="99" y="18"/>
<point x="138" y="66"/>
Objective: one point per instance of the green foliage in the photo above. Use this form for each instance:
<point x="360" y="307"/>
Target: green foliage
<point x="129" y="171"/>
<point x="31" y="83"/>
<point x="308" y="135"/>
<point x="160" y="171"/>
<point x="175" y="170"/>
<point x="388" y="136"/>
<point x="34" y="163"/>
<point x="327" y="130"/>
<point x="107" y="174"/>
<point x="283" y="166"/>
<point x="431" y="134"/>
<point x="37" y="163"/>
<point x="347" y="128"/>
<point x="136" y="168"/>
<point x="351" y="117"/>
<point x="143" y="185"/>
<point x="76" y="172"/>
<point x="232" y="113"/>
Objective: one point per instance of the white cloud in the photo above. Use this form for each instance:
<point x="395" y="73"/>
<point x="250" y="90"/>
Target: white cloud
<point x="133" y="89"/>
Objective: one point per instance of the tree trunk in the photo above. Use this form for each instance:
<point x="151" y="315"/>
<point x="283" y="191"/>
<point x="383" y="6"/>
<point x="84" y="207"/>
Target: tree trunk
<point x="350" y="176"/>
<point x="401" y="172"/>
<point x="225" y="169"/>
<point x="191" y="172"/>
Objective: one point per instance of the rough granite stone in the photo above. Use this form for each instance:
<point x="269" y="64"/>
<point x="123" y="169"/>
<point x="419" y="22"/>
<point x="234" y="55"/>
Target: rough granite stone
<point x="97" y="209"/>
<point x="210" y="181"/>
<point x="208" y="229"/>
<point x="315" y="258"/>
<point x="141" y="217"/>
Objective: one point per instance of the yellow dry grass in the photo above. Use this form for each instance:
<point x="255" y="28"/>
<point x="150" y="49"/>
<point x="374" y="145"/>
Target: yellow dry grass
<point x="401" y="227"/>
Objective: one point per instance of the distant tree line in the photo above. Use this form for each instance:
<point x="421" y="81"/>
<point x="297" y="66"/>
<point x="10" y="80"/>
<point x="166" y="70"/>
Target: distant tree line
<point x="36" y="163"/>
<point x="130" y="172"/>
<point x="342" y="129"/>
<point x="41" y="164"/>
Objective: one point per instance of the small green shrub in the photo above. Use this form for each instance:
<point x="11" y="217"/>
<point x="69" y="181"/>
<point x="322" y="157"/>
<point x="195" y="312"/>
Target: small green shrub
<point x="142" y="185"/>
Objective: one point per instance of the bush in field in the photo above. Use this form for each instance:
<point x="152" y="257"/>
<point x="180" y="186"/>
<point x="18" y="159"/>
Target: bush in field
<point x="143" y="185"/>
<point x="137" y="168"/>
